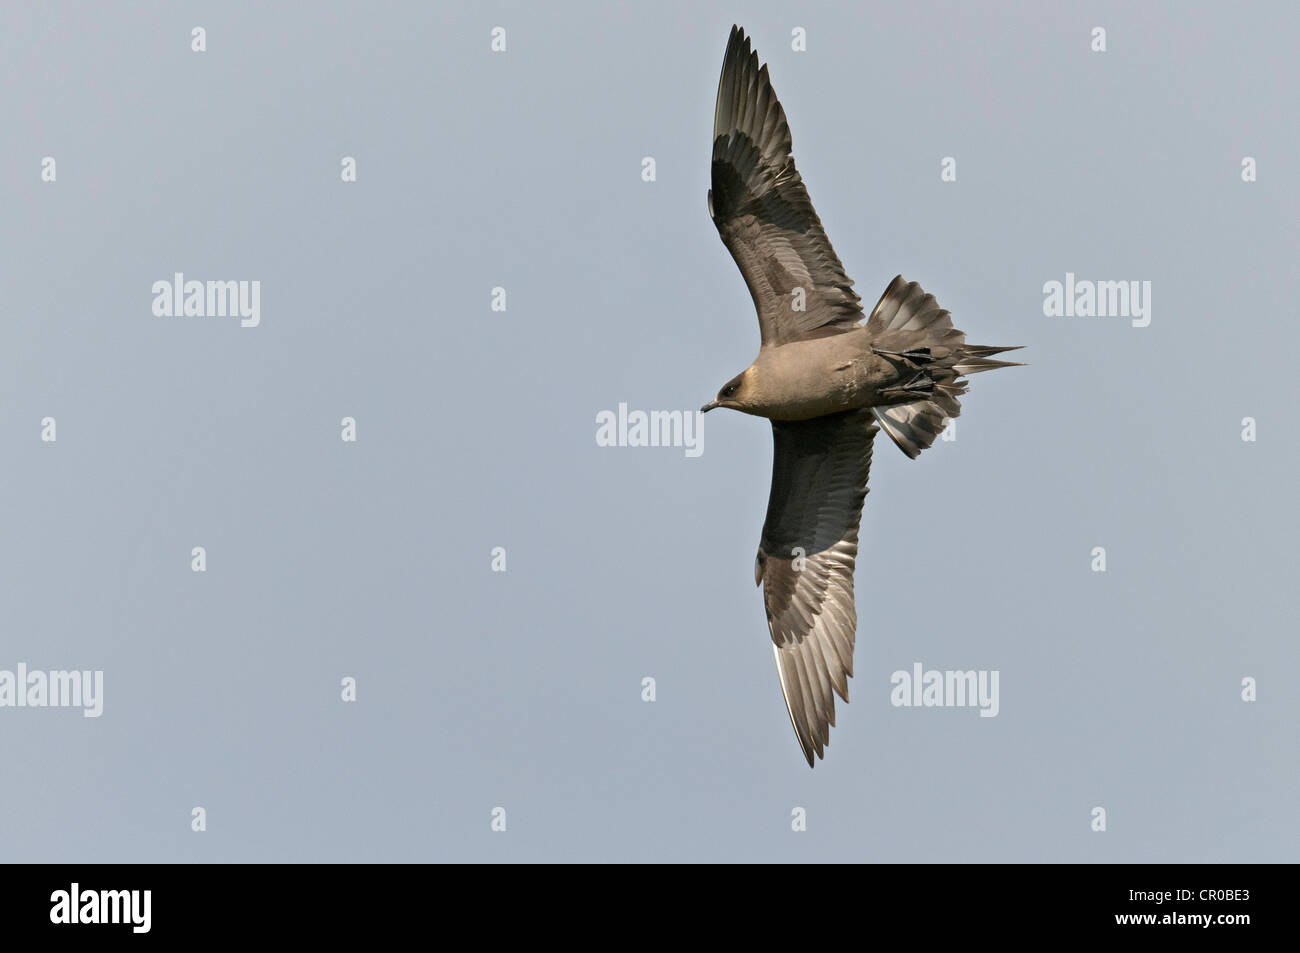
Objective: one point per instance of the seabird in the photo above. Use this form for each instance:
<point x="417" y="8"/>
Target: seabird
<point x="827" y="381"/>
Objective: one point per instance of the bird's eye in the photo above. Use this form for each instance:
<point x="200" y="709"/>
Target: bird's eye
<point x="729" y="390"/>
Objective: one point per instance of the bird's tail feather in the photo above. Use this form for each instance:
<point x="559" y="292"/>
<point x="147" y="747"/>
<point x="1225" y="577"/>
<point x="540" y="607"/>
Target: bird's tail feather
<point x="912" y="332"/>
<point x="975" y="358"/>
<point x="915" y="425"/>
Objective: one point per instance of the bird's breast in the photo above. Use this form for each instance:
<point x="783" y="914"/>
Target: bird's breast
<point x="806" y="379"/>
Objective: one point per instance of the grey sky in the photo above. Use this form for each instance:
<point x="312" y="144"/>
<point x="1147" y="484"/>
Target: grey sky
<point x="477" y="429"/>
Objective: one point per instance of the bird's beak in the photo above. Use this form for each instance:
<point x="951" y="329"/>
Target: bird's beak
<point x="709" y="406"/>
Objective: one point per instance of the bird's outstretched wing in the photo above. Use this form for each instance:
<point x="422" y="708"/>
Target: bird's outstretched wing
<point x="763" y="213"/>
<point x="805" y="562"/>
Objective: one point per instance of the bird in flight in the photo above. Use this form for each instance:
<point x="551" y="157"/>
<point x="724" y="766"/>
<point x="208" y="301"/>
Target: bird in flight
<point x="826" y="379"/>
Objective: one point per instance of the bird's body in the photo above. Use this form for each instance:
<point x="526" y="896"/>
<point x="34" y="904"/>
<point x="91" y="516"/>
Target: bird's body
<point x="827" y="379"/>
<point x="812" y="378"/>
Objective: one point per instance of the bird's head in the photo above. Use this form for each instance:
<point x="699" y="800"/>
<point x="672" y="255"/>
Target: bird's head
<point x="734" y="394"/>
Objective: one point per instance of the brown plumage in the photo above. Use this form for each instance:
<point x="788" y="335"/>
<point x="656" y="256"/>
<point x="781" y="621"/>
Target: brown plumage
<point x="827" y="381"/>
